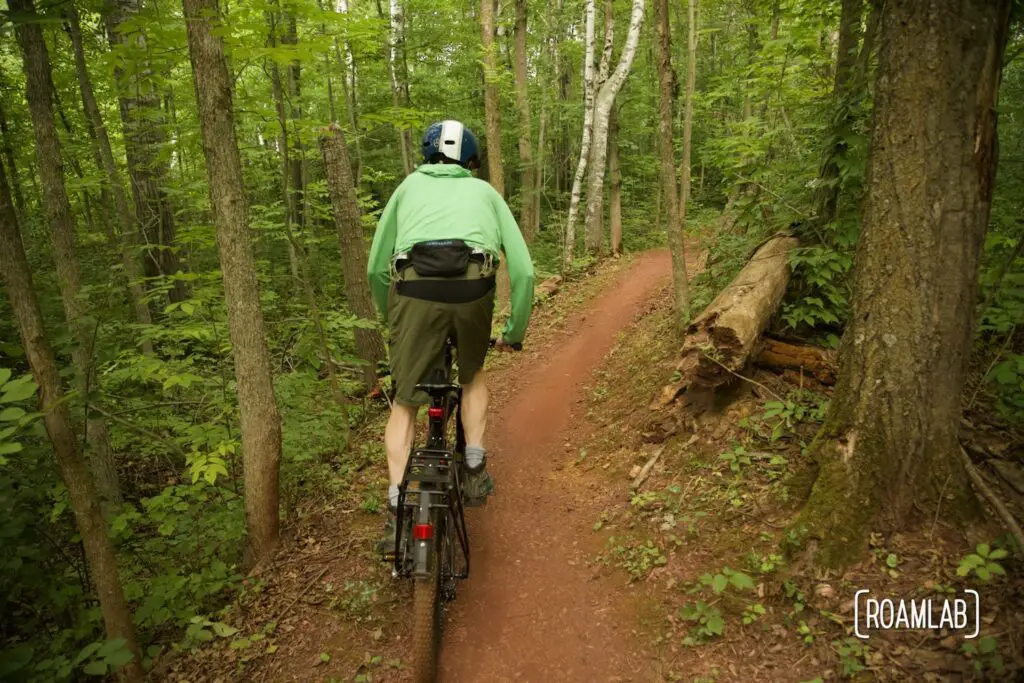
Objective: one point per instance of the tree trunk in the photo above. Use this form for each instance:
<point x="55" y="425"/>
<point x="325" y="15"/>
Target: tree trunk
<point x="679" y="277"/>
<point x="602" y="111"/>
<point x="12" y="166"/>
<point x="115" y="185"/>
<point x="260" y="422"/>
<point x="827" y="200"/>
<point x="82" y="495"/>
<point x="61" y="223"/>
<point x="614" y="170"/>
<point x="669" y="197"/>
<point x="296" y="184"/>
<point x="143" y="139"/>
<point x="492" y="105"/>
<point x="588" y="130"/>
<point x="349" y="84"/>
<point x="397" y="89"/>
<point x="526" y="164"/>
<point x="347" y="218"/>
<point x="888" y="451"/>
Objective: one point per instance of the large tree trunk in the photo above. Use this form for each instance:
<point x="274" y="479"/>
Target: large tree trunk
<point x="296" y="185"/>
<point x="679" y="277"/>
<point x="85" y="503"/>
<point x="888" y="451"/>
<point x="602" y="111"/>
<point x="668" y="194"/>
<point x="61" y="223"/>
<point x="350" y="83"/>
<point x="369" y="343"/>
<point x="588" y="130"/>
<point x="260" y="422"/>
<point x="115" y="186"/>
<point x="615" y="171"/>
<point x="526" y="165"/>
<point x="492" y="105"/>
<point x="143" y="139"/>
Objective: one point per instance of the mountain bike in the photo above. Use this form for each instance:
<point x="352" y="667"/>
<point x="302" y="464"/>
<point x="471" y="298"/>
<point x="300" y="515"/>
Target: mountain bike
<point x="431" y="540"/>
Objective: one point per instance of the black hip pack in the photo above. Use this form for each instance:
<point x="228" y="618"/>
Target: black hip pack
<point x="440" y="258"/>
<point x="446" y="262"/>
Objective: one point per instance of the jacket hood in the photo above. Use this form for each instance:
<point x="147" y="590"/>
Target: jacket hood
<point x="444" y="171"/>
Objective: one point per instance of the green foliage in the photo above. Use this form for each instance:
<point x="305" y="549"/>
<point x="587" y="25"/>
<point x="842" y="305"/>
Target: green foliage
<point x="637" y="558"/>
<point x="985" y="655"/>
<point x="13" y="418"/>
<point x="983" y="563"/>
<point x="820" y="295"/>
<point x="708" y="622"/>
<point x="853" y="654"/>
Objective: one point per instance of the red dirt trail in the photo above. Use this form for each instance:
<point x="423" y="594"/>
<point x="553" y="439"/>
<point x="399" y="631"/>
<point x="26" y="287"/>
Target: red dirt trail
<point x="532" y="610"/>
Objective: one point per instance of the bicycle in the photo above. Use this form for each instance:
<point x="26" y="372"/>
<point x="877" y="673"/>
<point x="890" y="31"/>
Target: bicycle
<point x="431" y="539"/>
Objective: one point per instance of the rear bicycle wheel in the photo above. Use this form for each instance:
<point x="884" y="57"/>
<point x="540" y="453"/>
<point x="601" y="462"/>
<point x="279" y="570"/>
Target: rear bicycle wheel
<point x="426" y="611"/>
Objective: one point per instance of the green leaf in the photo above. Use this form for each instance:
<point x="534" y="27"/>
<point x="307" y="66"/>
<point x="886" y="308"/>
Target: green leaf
<point x="983" y="573"/>
<point x="11" y="414"/>
<point x="716" y="624"/>
<point x="987" y="644"/>
<point x="5" y="374"/>
<point x="96" y="668"/>
<point x="983" y="549"/>
<point x="8" y="448"/>
<point x="892" y="560"/>
<point x="120" y="658"/>
<point x="87" y="652"/>
<point x="996" y="568"/>
<point x="741" y="581"/>
<point x="324" y="657"/>
<point x="997" y="554"/>
<point x="224" y="630"/>
<point x="18" y="391"/>
<point x="719" y="583"/>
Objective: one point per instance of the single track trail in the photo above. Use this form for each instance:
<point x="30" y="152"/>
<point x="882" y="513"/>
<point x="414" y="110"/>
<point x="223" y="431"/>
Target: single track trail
<point x="533" y="610"/>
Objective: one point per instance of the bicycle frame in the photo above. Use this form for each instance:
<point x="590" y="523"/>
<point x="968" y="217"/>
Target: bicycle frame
<point x="433" y="482"/>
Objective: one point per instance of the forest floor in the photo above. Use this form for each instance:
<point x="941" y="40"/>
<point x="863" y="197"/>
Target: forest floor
<point x="576" y="577"/>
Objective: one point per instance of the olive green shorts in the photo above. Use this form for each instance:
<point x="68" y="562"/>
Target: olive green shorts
<point x="419" y="329"/>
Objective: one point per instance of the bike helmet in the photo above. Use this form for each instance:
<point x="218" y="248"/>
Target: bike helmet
<point x="452" y="141"/>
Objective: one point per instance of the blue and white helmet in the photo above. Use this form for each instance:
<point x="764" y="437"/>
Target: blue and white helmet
<point x="452" y="140"/>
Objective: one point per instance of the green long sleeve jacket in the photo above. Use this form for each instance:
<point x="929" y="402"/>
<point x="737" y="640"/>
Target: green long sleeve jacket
<point x="445" y="201"/>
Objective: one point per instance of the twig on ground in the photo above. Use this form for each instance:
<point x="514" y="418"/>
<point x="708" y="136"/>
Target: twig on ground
<point x="942" y="494"/>
<point x="990" y="496"/>
<point x="301" y="593"/>
<point x="646" y="470"/>
<point x="745" y="379"/>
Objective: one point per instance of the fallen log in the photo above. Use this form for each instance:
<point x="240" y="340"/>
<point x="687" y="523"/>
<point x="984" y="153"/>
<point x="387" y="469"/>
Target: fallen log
<point x="822" y="364"/>
<point x="719" y="342"/>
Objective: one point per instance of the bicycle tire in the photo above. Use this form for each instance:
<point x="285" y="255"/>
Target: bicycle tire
<point x="426" y="614"/>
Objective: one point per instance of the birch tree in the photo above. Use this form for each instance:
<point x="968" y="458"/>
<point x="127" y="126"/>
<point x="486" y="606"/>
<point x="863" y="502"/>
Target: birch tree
<point x="399" y="90"/>
<point x="602" y="112"/>
<point x="588" y="122"/>
<point x="527" y="169"/>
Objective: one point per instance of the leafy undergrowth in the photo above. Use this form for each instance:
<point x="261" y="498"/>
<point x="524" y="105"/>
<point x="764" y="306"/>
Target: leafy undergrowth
<point x="699" y="541"/>
<point x="326" y="609"/>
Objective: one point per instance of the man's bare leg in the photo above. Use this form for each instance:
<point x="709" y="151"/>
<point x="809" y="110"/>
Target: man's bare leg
<point x="474" y="413"/>
<point x="398" y="436"/>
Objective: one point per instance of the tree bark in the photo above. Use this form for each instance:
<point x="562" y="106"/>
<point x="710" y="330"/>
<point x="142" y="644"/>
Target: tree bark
<point x="140" y="110"/>
<point x="588" y="130"/>
<point x="82" y="495"/>
<point x="526" y="164"/>
<point x="888" y="451"/>
<point x="12" y="166"/>
<point x="61" y="223"/>
<point x="115" y="185"/>
<point x="809" y="360"/>
<point x="260" y="422"/>
<point x="602" y="111"/>
<point x="347" y="218"/>
<point x="668" y="195"/>
<point x="615" y="171"/>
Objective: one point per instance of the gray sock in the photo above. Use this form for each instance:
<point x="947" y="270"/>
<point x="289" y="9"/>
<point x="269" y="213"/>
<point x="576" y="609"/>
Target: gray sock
<point x="393" y="495"/>
<point x="475" y="456"/>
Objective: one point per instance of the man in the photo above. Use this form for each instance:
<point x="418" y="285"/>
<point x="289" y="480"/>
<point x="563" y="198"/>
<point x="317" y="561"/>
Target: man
<point x="432" y="272"/>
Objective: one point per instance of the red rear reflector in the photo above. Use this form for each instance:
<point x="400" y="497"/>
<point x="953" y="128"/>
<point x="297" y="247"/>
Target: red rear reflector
<point x="435" y="412"/>
<point x="423" y="531"/>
